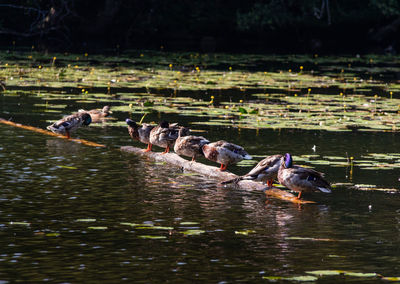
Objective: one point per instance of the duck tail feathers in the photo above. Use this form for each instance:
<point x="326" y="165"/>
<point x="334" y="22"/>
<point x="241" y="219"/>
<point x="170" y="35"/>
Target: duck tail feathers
<point x="325" y="190"/>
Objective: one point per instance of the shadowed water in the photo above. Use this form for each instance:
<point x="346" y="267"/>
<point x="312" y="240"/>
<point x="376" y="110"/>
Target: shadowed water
<point x="67" y="210"/>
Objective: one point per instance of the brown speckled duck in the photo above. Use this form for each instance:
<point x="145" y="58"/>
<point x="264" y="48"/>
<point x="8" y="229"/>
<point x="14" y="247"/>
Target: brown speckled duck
<point x="164" y="135"/>
<point x="301" y="179"/>
<point x="97" y="114"/>
<point x="266" y="171"/>
<point x="189" y="145"/>
<point x="70" y="123"/>
<point x="140" y="133"/>
<point x="225" y="153"/>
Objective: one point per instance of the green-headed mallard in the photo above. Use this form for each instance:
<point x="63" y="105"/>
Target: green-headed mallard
<point x="225" y="153"/>
<point x="189" y="145"/>
<point x="266" y="171"/>
<point x="70" y="123"/>
<point x="98" y="114"/>
<point x="140" y="133"/>
<point x="164" y="135"/>
<point x="301" y="179"/>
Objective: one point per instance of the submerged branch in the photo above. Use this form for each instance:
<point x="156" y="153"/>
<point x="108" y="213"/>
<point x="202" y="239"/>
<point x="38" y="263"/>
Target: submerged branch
<point x="42" y="131"/>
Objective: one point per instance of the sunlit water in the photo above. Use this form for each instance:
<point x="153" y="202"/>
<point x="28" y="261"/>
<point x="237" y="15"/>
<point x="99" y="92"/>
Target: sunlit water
<point x="67" y="210"/>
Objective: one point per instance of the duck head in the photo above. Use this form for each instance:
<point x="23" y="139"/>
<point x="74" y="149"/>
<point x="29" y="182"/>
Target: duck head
<point x="87" y="119"/>
<point x="184" y="131"/>
<point x="164" y="124"/>
<point x="106" y="110"/>
<point x="287" y="160"/>
<point x="131" y="123"/>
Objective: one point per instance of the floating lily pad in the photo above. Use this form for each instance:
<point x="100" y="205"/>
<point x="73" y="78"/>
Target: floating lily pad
<point x="151" y="237"/>
<point x="68" y="167"/>
<point x="20" y="223"/>
<point x="130" y="224"/>
<point x="154" y="228"/>
<point x="244" y="232"/>
<point x="53" y="234"/>
<point x="189" y="223"/>
<point x="395" y="279"/>
<point x="304" y="278"/>
<point x="86" y="220"/>
<point x="98" y="228"/>
<point x="193" y="232"/>
<point x="359" y="274"/>
<point x="325" y="272"/>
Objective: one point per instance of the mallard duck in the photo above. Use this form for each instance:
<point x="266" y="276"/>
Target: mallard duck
<point x="138" y="133"/>
<point x="266" y="170"/>
<point x="225" y="153"/>
<point x="70" y="123"/>
<point x="164" y="135"/>
<point x="97" y="114"/>
<point x="301" y="179"/>
<point x="189" y="145"/>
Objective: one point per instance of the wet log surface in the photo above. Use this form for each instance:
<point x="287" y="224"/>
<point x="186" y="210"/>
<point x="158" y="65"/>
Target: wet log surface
<point x="213" y="172"/>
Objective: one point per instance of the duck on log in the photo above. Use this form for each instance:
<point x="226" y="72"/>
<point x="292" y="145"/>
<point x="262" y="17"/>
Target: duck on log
<point x="213" y="172"/>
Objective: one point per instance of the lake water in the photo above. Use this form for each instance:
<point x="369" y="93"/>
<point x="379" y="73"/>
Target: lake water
<point x="72" y="213"/>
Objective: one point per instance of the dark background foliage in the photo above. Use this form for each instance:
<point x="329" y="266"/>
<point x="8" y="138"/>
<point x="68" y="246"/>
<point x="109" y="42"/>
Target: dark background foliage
<point x="203" y="25"/>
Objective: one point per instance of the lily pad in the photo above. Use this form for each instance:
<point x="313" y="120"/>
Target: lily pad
<point x="154" y="228"/>
<point x="395" y="279"/>
<point x="244" y="232"/>
<point x="68" y="167"/>
<point x="151" y="237"/>
<point x="193" y="232"/>
<point x="359" y="274"/>
<point x="325" y="272"/>
<point x="304" y="278"/>
<point x="189" y="223"/>
<point x="98" y="228"/>
<point x="20" y="223"/>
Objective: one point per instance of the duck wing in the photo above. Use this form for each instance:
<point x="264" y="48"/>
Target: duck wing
<point x="269" y="166"/>
<point x="312" y="178"/>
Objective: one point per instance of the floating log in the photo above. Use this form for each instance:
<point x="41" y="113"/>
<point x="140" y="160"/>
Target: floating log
<point x="42" y="131"/>
<point x="174" y="159"/>
<point x="213" y="172"/>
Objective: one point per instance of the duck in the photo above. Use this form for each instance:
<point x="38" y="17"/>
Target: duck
<point x="70" y="123"/>
<point x="189" y="145"/>
<point x="301" y="179"/>
<point x="265" y="171"/>
<point x="164" y="135"/>
<point x="140" y="133"/>
<point x="225" y="153"/>
<point x="97" y="114"/>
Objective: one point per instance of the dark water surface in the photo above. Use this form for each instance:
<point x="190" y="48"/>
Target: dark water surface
<point x="64" y="209"/>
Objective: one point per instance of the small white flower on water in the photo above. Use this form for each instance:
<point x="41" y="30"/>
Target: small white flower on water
<point x="369" y="207"/>
<point x="113" y="80"/>
<point x="314" y="148"/>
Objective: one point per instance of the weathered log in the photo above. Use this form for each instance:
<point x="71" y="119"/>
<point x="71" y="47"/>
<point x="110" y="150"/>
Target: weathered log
<point x="213" y="172"/>
<point x="42" y="131"/>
